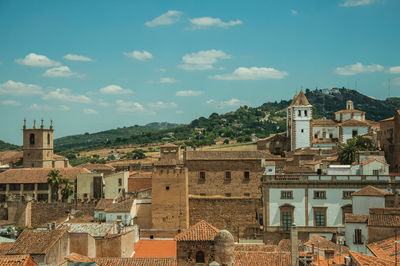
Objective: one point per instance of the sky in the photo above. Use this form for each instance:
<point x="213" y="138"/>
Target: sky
<point x="95" y="65"/>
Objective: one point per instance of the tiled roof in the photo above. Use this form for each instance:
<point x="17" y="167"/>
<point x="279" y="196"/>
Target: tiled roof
<point x="372" y="160"/>
<point x="354" y="123"/>
<point x="93" y="229"/>
<point x="155" y="249"/>
<point x="37" y="175"/>
<point x="321" y="261"/>
<point x="370" y="191"/>
<point x="349" y="111"/>
<point x="75" y="257"/>
<point x="17" y="260"/>
<point x="103" y="204"/>
<point x="202" y="231"/>
<point x="388" y="119"/>
<point x="36" y="242"/>
<point x="294" y="98"/>
<point x="5" y="246"/>
<point x="285" y="245"/>
<point x="322" y="243"/>
<point x="96" y="166"/>
<point x="300" y="100"/>
<point x="356" y="218"/>
<point x="244" y="258"/>
<point x="255" y="248"/>
<point x="225" y="155"/>
<point x="123" y="206"/>
<point x="323" y="122"/>
<point x="384" y="220"/>
<point x="384" y="248"/>
<point x="10" y="156"/>
<point x="135" y="261"/>
<point x="362" y="259"/>
<point x="138" y="183"/>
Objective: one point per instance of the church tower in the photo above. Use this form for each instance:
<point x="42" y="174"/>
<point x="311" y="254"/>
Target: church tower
<point x="299" y="115"/>
<point x="38" y="146"/>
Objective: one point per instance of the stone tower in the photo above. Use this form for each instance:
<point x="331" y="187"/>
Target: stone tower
<point x="349" y="105"/>
<point x="38" y="146"/>
<point x="170" y="204"/>
<point x="299" y="115"/>
<point x="224" y="248"/>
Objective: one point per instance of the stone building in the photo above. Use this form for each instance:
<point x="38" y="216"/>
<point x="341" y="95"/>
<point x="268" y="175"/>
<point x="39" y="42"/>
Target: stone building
<point x="389" y="139"/>
<point x="38" y="148"/>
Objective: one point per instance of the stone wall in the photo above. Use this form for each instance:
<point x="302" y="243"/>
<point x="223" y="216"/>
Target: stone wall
<point x="237" y="215"/>
<point x="43" y="213"/>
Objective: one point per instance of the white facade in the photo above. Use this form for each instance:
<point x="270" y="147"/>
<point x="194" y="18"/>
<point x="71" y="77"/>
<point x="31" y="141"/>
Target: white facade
<point x="302" y="121"/>
<point x="114" y="184"/>
<point x="330" y="132"/>
<point x="361" y="204"/>
<point x="350" y="237"/>
<point x="374" y="168"/>
<point x="348" y="132"/>
<point x="126" y="217"/>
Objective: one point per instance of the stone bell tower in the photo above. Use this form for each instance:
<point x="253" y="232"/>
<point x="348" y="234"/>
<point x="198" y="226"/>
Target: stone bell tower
<point x="38" y="146"/>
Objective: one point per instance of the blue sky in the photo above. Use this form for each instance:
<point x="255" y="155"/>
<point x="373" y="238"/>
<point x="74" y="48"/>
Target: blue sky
<point x="96" y="65"/>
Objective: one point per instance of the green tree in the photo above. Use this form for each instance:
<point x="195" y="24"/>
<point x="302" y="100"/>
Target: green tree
<point x="347" y="152"/>
<point x="53" y="179"/>
<point x="66" y="188"/>
<point x="138" y="154"/>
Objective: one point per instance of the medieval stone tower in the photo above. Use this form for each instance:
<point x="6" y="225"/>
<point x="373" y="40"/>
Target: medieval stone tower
<point x="170" y="204"/>
<point x="38" y="146"/>
<point x="299" y="115"/>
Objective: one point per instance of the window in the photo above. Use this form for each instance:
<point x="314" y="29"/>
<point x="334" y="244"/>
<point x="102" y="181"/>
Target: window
<point x="302" y="130"/>
<point x="305" y="113"/>
<point x="227" y="194"/>
<point x="43" y="186"/>
<point x="315" y="136"/>
<point x="48" y="139"/>
<point x="119" y="218"/>
<point x="246" y="175"/>
<point x="119" y="190"/>
<point x="299" y="113"/>
<point x="14" y="187"/>
<point x="286" y="194"/>
<point x="286" y="216"/>
<point x="346" y="209"/>
<point x="43" y="197"/>
<point x="167" y="188"/>
<point x="357" y="236"/>
<point x="200" y="257"/>
<point x="354" y="133"/>
<point x="246" y="194"/>
<point x="375" y="172"/>
<point x="119" y="181"/>
<point x="228" y="175"/>
<point x="2" y="187"/>
<point x="2" y="197"/>
<point x="320" y="216"/>
<point x="202" y="175"/>
<point x="29" y="187"/>
<point x="32" y="138"/>
<point x="202" y="194"/>
<point x="347" y="194"/>
<point x="319" y="194"/>
<point x="330" y="135"/>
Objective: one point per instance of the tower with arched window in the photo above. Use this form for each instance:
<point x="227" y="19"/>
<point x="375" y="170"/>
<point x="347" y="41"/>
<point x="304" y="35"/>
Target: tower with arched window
<point x="299" y="115"/>
<point x="38" y="146"/>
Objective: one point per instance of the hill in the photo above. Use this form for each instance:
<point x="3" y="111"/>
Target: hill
<point x="4" y="146"/>
<point x="244" y="124"/>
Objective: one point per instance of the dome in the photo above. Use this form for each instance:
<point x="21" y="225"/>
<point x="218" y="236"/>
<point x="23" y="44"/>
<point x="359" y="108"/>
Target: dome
<point x="224" y="236"/>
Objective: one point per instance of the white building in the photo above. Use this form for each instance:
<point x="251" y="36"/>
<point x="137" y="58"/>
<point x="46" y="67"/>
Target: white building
<point x="115" y="185"/>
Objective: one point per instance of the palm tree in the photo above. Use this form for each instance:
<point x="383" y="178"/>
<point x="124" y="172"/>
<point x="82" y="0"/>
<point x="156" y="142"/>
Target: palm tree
<point x="67" y="188"/>
<point x="53" y="180"/>
<point x="347" y="152"/>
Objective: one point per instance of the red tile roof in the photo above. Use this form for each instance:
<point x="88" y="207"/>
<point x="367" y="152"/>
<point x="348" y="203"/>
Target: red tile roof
<point x="362" y="259"/>
<point x="202" y="231"/>
<point x="135" y="261"/>
<point x="96" y="166"/>
<point x="75" y="257"/>
<point x="371" y="191"/>
<point x="354" y="123"/>
<point x="36" y="242"/>
<point x="384" y="248"/>
<point x="17" y="260"/>
<point x="244" y="258"/>
<point x="5" y="246"/>
<point x="384" y="220"/>
<point x="300" y="100"/>
<point x="321" y="261"/>
<point x="324" y="122"/>
<point x="37" y="175"/>
<point x="322" y="243"/>
<point x="104" y="204"/>
<point x="123" y="206"/>
<point x="138" y="183"/>
<point x="10" y="156"/>
<point x="356" y="218"/>
<point x="256" y="248"/>
<point x="372" y="160"/>
<point x="155" y="249"/>
<point x="349" y="111"/>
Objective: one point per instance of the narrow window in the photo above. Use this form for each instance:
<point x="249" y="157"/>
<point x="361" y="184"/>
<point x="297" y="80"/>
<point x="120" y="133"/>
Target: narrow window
<point x="299" y="113"/>
<point x="202" y="175"/>
<point x="330" y="135"/>
<point x="286" y="194"/>
<point x="375" y="172"/>
<point x="355" y="133"/>
<point x="119" y="181"/>
<point x="320" y="216"/>
<point x="228" y="175"/>
<point x="48" y="139"/>
<point x="200" y="257"/>
<point x="246" y="175"/>
<point x="305" y="113"/>
<point x="357" y="236"/>
<point x="246" y="194"/>
<point x="227" y="194"/>
<point x="286" y="220"/>
<point x="319" y="194"/>
<point x="167" y="188"/>
<point x="32" y="138"/>
<point x="302" y="130"/>
<point x="347" y="194"/>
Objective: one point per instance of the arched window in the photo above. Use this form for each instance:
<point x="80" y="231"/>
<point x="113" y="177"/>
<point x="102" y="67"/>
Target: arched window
<point x="200" y="257"/>
<point x="48" y="139"/>
<point x="299" y="113"/>
<point x="32" y="138"/>
<point x="305" y="113"/>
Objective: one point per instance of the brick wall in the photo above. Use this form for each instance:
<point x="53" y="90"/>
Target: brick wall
<point x="43" y="213"/>
<point x="237" y="215"/>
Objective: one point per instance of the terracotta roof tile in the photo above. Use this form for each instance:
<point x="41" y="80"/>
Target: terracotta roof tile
<point x="323" y="122"/>
<point x="370" y="191"/>
<point x="339" y="260"/>
<point x="322" y="243"/>
<point x="37" y="175"/>
<point x="202" y="231"/>
<point x="10" y="156"/>
<point x="356" y="218"/>
<point x="349" y="111"/>
<point x="36" y="242"/>
<point x="256" y="248"/>
<point x="135" y="261"/>
<point x="96" y="166"/>
<point x="285" y="245"/>
<point x="385" y="248"/>
<point x="123" y="206"/>
<point x="75" y="257"/>
<point x="104" y="204"/>
<point x="384" y="220"/>
<point x="362" y="259"/>
<point x="372" y="160"/>
<point x="17" y="260"/>
<point x="139" y="183"/>
<point x="93" y="229"/>
<point x="155" y="249"/>
<point x="5" y="246"/>
<point x="225" y="155"/>
<point x="354" y="123"/>
<point x="244" y="258"/>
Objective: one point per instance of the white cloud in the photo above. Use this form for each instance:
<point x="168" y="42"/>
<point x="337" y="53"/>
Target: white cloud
<point x="45" y="107"/>
<point x="59" y="72"/>
<point x="19" y="89"/>
<point x="207" y="22"/>
<point x="103" y="103"/>
<point x="115" y="89"/>
<point x="142" y="56"/>
<point x="64" y="108"/>
<point x="170" y="17"/>
<point x="36" y="60"/>
<point x="394" y="70"/>
<point x="294" y="12"/>
<point x="253" y="73"/>
<point x="168" y="80"/>
<point x="10" y="102"/>
<point x="353" y="3"/>
<point x="129" y="107"/>
<point x="223" y="104"/>
<point x="203" y="60"/>
<point x="162" y="105"/>
<point x="89" y="111"/>
<point x="357" y="68"/>
<point x="75" y="57"/>
<point x="189" y="93"/>
<point x="65" y="95"/>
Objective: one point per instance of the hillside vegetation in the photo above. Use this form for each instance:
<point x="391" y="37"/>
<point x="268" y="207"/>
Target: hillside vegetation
<point x="4" y="146"/>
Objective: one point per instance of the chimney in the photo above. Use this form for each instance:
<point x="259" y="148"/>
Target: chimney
<point x="294" y="241"/>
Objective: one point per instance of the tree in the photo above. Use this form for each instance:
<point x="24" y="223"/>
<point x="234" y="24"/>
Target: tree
<point x="347" y="152"/>
<point x="54" y="181"/>
<point x="66" y="188"/>
<point x="138" y="154"/>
